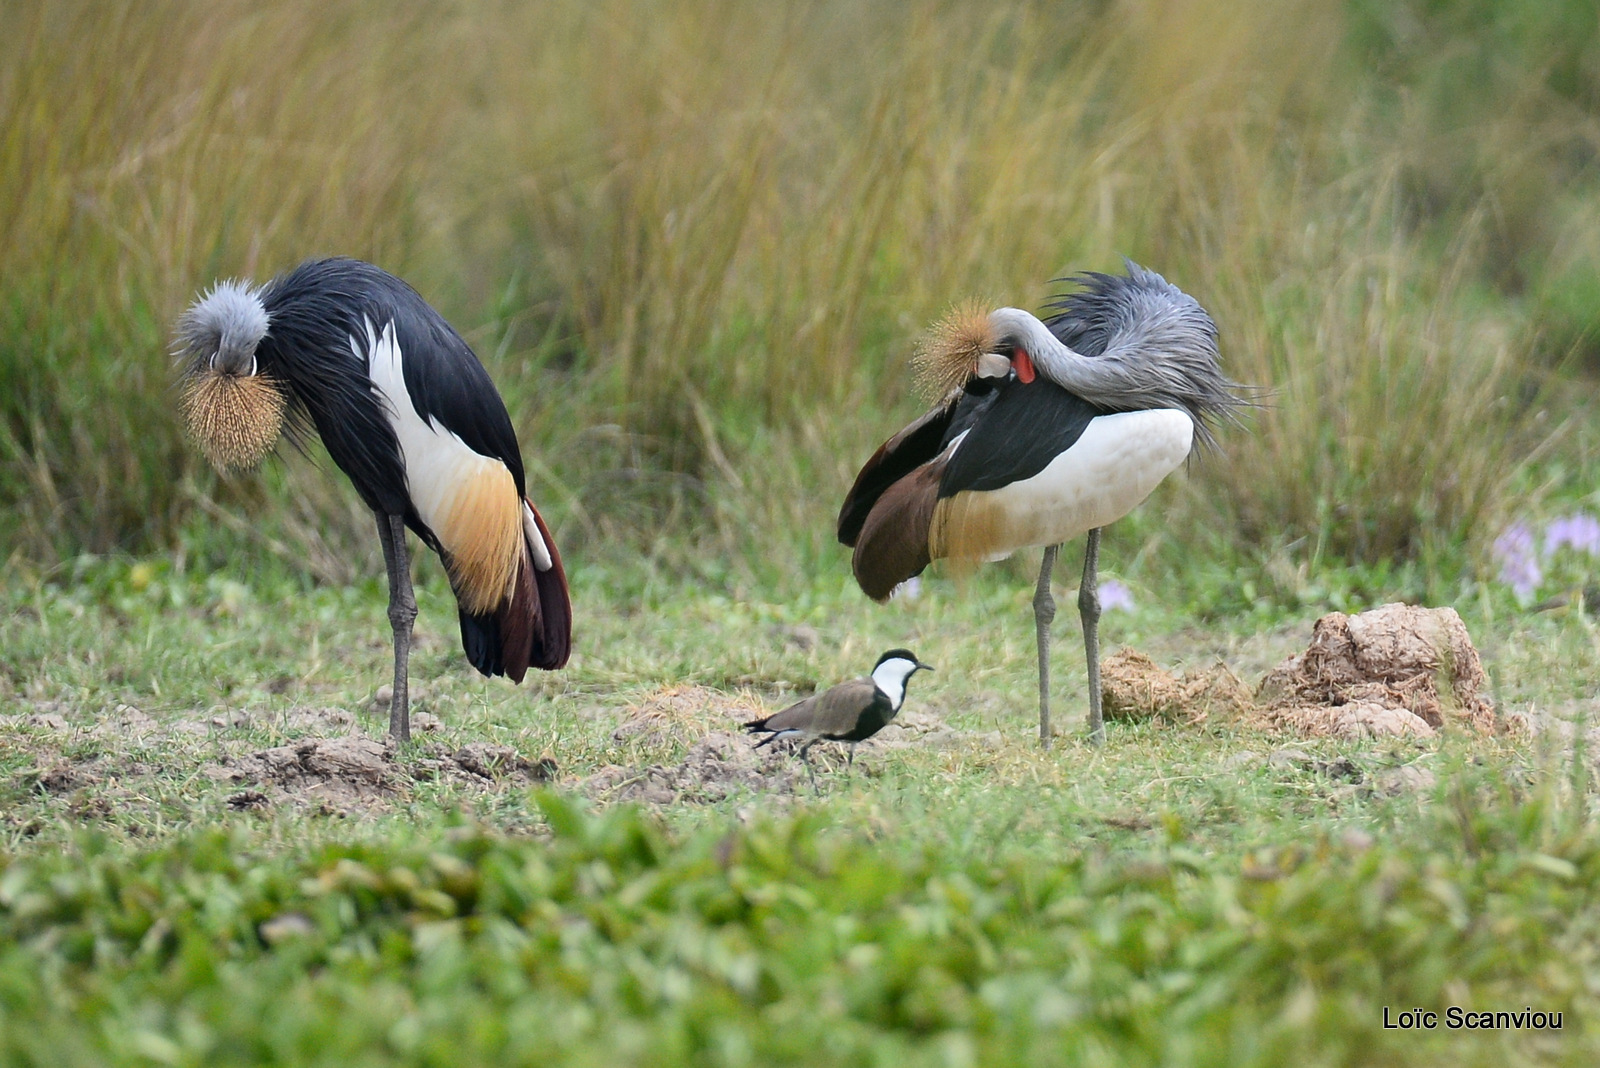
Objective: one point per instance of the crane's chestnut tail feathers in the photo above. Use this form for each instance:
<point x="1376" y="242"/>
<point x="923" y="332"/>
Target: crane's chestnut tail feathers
<point x="552" y="639"/>
<point x="893" y="545"/>
<point x="895" y="458"/>
<point x="1138" y="341"/>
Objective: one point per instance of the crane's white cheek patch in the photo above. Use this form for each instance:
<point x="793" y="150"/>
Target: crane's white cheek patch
<point x="467" y="499"/>
<point x="1104" y="475"/>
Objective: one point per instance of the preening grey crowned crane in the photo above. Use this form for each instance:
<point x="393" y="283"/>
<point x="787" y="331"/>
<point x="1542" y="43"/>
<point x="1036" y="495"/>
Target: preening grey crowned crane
<point x="849" y="712"/>
<point x="411" y="417"/>
<point x="1046" y="430"/>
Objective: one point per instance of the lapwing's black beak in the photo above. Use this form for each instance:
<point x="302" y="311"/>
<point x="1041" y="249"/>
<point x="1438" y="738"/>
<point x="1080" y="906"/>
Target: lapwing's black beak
<point x="924" y="667"/>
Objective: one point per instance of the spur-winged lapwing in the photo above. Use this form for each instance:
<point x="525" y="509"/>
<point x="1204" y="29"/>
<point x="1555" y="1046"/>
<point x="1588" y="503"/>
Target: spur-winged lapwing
<point x="849" y="712"/>
<point x="1045" y="430"/>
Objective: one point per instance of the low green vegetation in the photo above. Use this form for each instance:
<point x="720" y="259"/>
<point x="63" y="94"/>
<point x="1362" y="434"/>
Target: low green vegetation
<point x="1207" y="895"/>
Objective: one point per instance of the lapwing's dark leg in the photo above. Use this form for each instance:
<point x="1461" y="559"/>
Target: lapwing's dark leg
<point x="1089" y="609"/>
<point x="852" y="761"/>
<point x="1044" y="611"/>
<point x="806" y="760"/>
<point x="402" y="613"/>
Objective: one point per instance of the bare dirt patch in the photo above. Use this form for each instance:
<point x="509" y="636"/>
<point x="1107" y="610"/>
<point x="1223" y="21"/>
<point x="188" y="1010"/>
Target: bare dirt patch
<point x="354" y="773"/>
<point x="718" y="765"/>
<point x="682" y="715"/>
<point x="722" y="761"/>
<point x="334" y="768"/>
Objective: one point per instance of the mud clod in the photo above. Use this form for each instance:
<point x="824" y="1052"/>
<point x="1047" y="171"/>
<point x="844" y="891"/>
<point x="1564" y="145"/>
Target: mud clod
<point x="1134" y="688"/>
<point x="1397" y="670"/>
<point x="501" y="761"/>
<point x="337" y="770"/>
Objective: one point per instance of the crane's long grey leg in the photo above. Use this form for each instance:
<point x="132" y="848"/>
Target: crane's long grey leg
<point x="1089" y="609"/>
<point x="402" y="613"/>
<point x="1044" y="612"/>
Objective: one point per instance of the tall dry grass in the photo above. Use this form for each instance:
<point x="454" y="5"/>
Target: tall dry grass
<point x="697" y="236"/>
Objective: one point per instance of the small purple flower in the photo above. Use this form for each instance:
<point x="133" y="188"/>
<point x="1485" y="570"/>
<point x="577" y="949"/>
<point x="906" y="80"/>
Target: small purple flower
<point x="1519" y="561"/>
<point x="1114" y="596"/>
<point x="1580" y="530"/>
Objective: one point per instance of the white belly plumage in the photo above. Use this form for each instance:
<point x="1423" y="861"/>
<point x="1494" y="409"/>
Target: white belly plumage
<point x="1106" y="473"/>
<point x="468" y="500"/>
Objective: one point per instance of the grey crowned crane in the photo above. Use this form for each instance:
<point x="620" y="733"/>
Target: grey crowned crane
<point x="849" y="712"/>
<point x="408" y="413"/>
<point x="1046" y="430"/>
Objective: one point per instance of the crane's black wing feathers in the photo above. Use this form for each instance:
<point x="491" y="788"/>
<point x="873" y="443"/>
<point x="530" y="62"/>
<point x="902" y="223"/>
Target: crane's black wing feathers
<point x="896" y="458"/>
<point x="1014" y="434"/>
<point x="315" y="309"/>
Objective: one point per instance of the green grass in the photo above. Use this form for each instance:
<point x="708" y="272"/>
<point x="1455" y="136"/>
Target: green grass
<point x="1171" y="898"/>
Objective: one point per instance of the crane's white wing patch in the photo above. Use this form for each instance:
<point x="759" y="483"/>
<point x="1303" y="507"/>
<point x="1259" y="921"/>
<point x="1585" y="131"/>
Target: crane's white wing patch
<point x="541" y="551"/>
<point x="467" y="499"/>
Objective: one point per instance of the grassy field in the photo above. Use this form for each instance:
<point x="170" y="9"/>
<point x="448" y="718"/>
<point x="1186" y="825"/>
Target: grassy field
<point x="1210" y="895"/>
<point x="694" y="242"/>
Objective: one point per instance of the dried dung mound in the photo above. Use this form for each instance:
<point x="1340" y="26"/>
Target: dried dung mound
<point x="1134" y="688"/>
<point x="683" y="714"/>
<point x="719" y="764"/>
<point x="1396" y="670"/>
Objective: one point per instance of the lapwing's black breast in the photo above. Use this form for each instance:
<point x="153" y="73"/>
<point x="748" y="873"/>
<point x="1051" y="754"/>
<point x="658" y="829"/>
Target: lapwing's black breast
<point x="1014" y="434"/>
<point x="871" y="721"/>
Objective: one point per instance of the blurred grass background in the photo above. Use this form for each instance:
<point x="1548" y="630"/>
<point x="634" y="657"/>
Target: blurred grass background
<point x="693" y="240"/>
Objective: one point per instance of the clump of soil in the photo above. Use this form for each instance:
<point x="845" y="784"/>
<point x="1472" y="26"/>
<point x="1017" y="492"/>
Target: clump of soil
<point x="338" y="771"/>
<point x="1396" y="670"/>
<point x="1133" y="687"/>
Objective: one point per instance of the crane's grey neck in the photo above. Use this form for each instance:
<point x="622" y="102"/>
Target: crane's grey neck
<point x="221" y="330"/>
<point x="1160" y="354"/>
